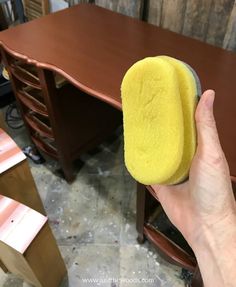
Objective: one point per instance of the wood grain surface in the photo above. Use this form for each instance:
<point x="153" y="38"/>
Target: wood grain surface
<point x="126" y="7"/>
<point x="155" y="11"/>
<point x="196" y="18"/>
<point x="230" y="35"/>
<point x="217" y="21"/>
<point x="172" y="14"/>
<point x="18" y="184"/>
<point x="212" y="21"/>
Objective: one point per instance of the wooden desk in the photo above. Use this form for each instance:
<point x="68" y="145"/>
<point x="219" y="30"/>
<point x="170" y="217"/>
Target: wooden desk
<point x="93" y="47"/>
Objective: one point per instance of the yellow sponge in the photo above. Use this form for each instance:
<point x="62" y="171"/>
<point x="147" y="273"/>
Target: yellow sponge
<point x="159" y="96"/>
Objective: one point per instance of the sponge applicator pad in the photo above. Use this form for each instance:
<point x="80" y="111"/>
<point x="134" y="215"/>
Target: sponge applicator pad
<point x="159" y="97"/>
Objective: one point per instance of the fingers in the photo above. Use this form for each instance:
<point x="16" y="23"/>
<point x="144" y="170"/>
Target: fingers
<point x="209" y="151"/>
<point x="208" y="140"/>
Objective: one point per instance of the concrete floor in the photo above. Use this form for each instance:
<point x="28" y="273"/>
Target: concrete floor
<point x="93" y="220"/>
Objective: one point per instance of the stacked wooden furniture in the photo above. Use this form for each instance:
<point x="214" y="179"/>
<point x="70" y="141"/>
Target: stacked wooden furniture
<point x="27" y="245"/>
<point x="62" y="121"/>
<point x="16" y="180"/>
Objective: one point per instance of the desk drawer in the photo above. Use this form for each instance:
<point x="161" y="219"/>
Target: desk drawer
<point x="26" y="75"/>
<point x="33" y="100"/>
<point x="40" y="124"/>
<point x="45" y="145"/>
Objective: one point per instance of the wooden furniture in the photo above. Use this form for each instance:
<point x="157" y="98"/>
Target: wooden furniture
<point x="63" y="121"/>
<point x="11" y="14"/>
<point x="17" y="189"/>
<point x="27" y="246"/>
<point x="16" y="180"/>
<point x="94" y="55"/>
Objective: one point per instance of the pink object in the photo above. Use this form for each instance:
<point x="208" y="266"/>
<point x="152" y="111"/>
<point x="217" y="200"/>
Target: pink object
<point x="10" y="153"/>
<point x="19" y="224"/>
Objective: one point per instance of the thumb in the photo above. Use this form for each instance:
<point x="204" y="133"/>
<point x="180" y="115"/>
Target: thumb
<point x="208" y="140"/>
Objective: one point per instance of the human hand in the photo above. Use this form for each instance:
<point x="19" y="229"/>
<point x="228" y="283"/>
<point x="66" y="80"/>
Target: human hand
<point x="205" y="202"/>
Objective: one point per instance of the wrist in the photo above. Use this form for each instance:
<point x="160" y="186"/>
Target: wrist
<point x="215" y="250"/>
<point x="215" y="235"/>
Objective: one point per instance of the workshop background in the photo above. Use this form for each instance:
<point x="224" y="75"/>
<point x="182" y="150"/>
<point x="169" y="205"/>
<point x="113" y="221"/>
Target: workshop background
<point x="211" y="21"/>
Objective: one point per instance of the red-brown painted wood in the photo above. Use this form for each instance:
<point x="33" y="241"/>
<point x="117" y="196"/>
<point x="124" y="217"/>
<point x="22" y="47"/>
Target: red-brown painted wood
<point x="93" y="47"/>
<point x="169" y="249"/>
